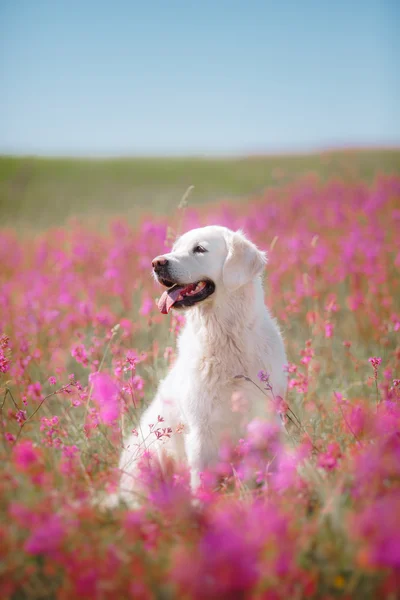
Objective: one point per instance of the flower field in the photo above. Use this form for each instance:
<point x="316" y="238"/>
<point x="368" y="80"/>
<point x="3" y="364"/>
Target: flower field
<point x="82" y="348"/>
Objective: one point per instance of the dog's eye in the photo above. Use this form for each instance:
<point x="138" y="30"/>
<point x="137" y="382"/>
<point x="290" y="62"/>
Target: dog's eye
<point x="199" y="249"/>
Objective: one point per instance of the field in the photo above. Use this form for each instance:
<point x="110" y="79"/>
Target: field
<point x="77" y="297"/>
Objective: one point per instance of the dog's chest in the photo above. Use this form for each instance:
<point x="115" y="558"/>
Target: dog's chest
<point x="209" y="376"/>
<point x="215" y="366"/>
<point x="210" y="395"/>
<point x="209" y="362"/>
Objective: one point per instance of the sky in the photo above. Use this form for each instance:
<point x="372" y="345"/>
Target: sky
<point x="209" y="77"/>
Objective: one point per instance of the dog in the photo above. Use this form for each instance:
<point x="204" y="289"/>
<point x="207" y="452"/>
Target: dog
<point x="213" y="276"/>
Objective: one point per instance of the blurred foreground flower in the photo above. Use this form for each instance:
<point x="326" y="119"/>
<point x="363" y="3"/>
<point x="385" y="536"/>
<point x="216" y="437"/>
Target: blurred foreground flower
<point x="105" y="393"/>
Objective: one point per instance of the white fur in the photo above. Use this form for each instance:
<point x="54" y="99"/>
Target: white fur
<point x="229" y="334"/>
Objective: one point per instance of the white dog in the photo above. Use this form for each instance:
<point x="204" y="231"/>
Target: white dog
<point x="213" y="275"/>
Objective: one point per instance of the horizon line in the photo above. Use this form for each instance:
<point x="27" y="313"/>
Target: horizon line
<point x="323" y="149"/>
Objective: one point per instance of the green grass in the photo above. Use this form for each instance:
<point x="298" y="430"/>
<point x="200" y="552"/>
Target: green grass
<point x="40" y="192"/>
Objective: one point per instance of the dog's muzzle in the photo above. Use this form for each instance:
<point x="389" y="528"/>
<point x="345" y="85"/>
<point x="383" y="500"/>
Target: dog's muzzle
<point x="161" y="268"/>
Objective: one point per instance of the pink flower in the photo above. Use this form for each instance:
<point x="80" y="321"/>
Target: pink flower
<point x="35" y="391"/>
<point x="52" y="380"/>
<point x="4" y="362"/>
<point x="25" y="455"/>
<point x="20" y="415"/>
<point x="329" y="459"/>
<point x="147" y="306"/>
<point x="282" y="407"/>
<point x="46" y="537"/>
<point x="262" y="434"/>
<point x="339" y="397"/>
<point x="80" y="354"/>
<point x="378" y="525"/>
<point x="105" y="393"/>
<point x="263" y="376"/>
<point x="375" y="361"/>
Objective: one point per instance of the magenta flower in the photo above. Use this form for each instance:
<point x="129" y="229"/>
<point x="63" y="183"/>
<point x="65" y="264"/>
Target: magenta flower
<point x="375" y="361"/>
<point x="379" y="525"/>
<point x="263" y="376"/>
<point x="80" y="354"/>
<point x="25" y="455"/>
<point x="4" y="362"/>
<point x="147" y="306"/>
<point x="46" y="537"/>
<point x="20" y="416"/>
<point x="328" y="329"/>
<point x="35" y="390"/>
<point x="4" y="349"/>
<point x="105" y="393"/>
<point x="329" y="459"/>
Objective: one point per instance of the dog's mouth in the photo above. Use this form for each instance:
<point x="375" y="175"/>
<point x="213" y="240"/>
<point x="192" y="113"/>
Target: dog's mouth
<point x="180" y="296"/>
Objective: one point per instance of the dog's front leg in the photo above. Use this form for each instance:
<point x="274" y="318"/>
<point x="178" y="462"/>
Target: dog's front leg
<point x="201" y="451"/>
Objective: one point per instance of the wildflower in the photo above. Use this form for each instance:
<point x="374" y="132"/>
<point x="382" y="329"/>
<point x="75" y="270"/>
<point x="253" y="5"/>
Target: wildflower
<point x="329" y="459"/>
<point x="25" y="455"/>
<point x="146" y="307"/>
<point x="80" y="354"/>
<point x="20" y="416"/>
<point x="338" y="397"/>
<point x="262" y="434"/>
<point x="70" y="451"/>
<point x="52" y="380"/>
<point x="263" y="376"/>
<point x="4" y="352"/>
<point x="46" y="537"/>
<point x="35" y="391"/>
<point x="137" y="383"/>
<point x="132" y="359"/>
<point x="4" y="362"/>
<point x="4" y="341"/>
<point x="164" y="432"/>
<point x="281" y="406"/>
<point x="375" y="361"/>
<point x="105" y="393"/>
<point x="307" y="354"/>
<point x="378" y="527"/>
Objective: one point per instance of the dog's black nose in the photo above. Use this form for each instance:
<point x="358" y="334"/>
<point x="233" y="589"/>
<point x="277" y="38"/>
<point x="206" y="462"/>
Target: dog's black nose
<point x="159" y="262"/>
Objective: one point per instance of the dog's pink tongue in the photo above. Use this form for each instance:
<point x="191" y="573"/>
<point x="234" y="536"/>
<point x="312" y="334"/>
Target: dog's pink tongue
<point x="168" y="299"/>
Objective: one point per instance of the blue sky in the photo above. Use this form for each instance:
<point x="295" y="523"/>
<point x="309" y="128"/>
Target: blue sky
<point x="205" y="77"/>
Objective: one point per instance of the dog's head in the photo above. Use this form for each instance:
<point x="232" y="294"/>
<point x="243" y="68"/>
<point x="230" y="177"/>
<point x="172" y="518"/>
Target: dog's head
<point x="206" y="262"/>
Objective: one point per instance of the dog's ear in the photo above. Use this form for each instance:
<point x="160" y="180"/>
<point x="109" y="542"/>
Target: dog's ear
<point x="244" y="262"/>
